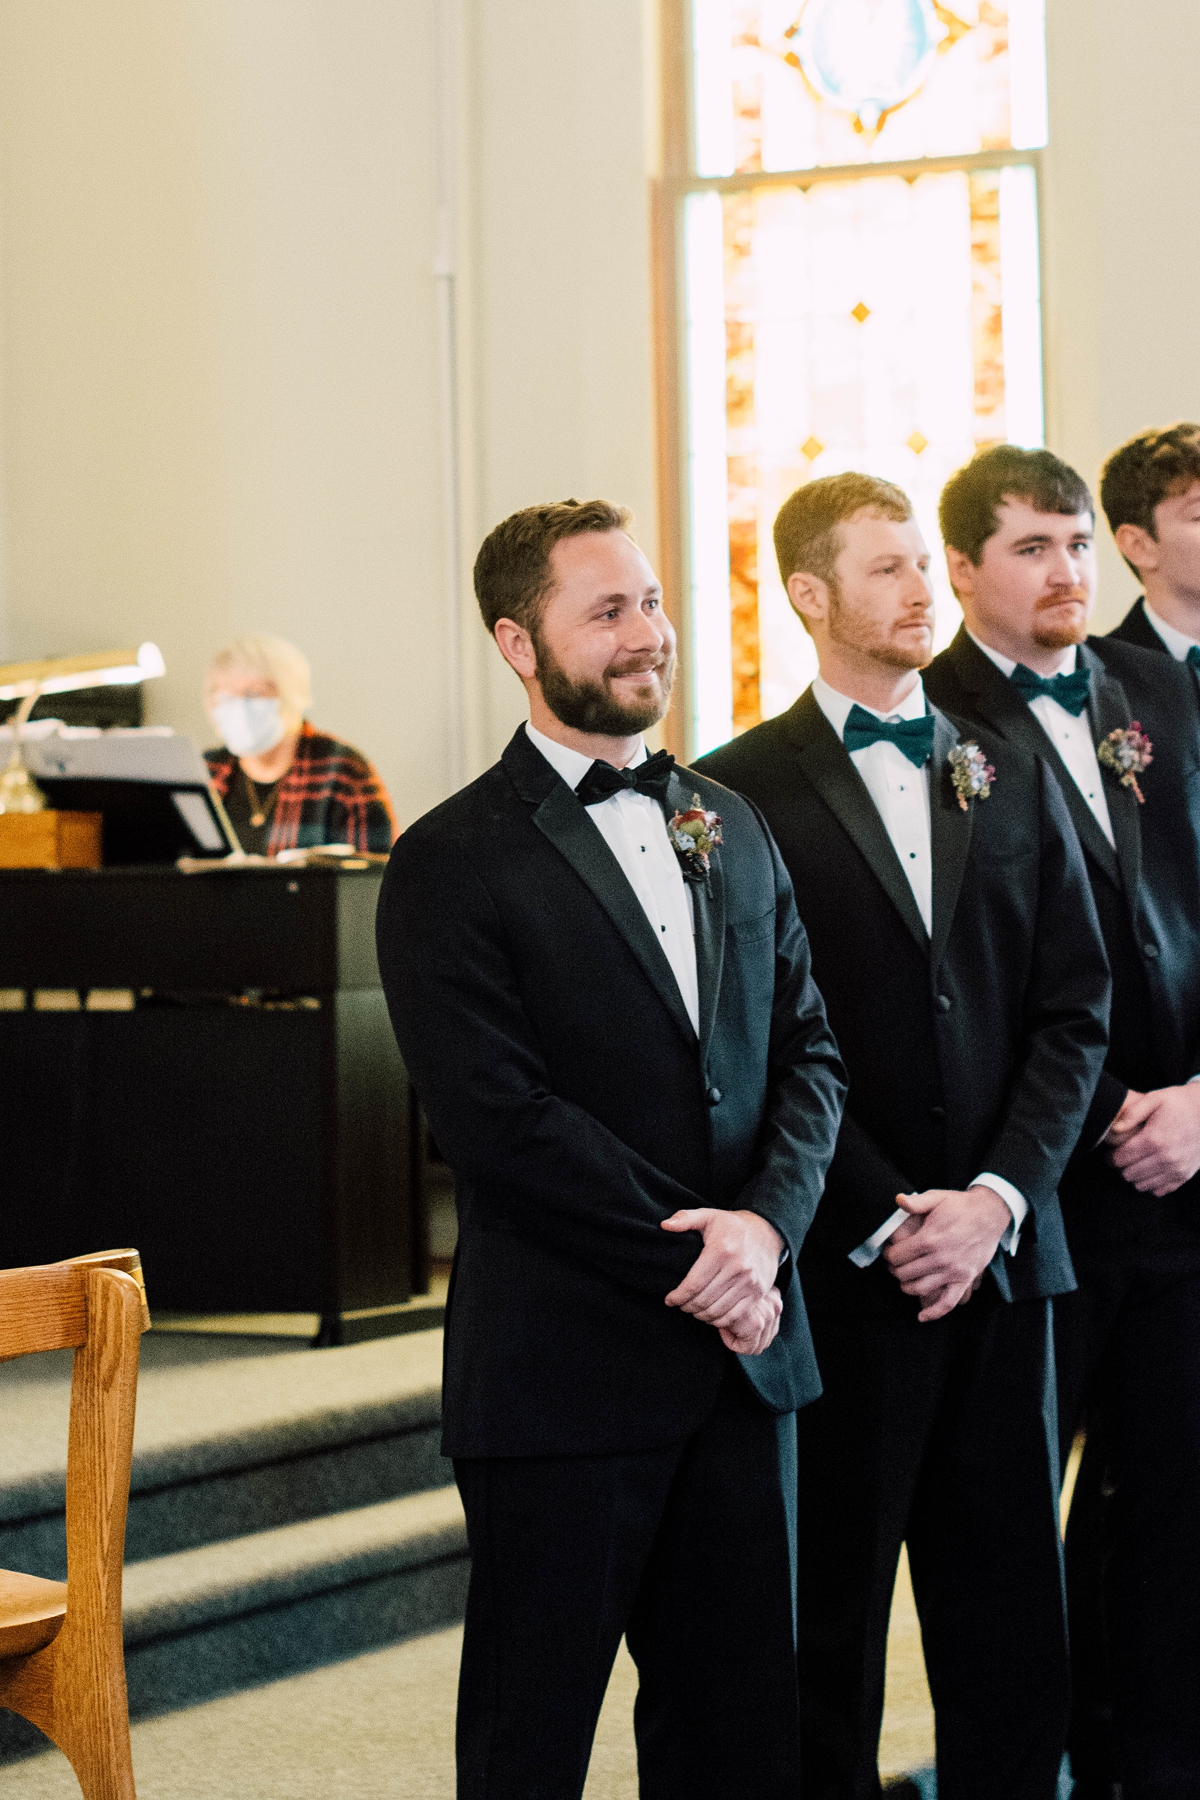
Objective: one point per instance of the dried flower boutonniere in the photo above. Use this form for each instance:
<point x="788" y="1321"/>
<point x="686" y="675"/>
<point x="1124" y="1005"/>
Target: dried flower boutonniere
<point x="695" y="834"/>
<point x="971" y="773"/>
<point x="1127" y="753"/>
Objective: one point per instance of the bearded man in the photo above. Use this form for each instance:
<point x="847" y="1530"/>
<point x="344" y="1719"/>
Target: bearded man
<point x="601" y="989"/>
<point x="955" y="942"/>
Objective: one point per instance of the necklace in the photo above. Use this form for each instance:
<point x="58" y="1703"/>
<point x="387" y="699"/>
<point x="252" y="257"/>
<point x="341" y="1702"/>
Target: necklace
<point x="260" y="810"/>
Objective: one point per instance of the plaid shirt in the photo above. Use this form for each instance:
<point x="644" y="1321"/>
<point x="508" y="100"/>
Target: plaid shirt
<point x="329" y="795"/>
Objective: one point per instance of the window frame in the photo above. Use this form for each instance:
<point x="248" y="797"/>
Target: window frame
<point x="675" y="180"/>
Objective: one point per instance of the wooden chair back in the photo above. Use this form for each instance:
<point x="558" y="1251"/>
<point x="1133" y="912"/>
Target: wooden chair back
<point x="62" y="1662"/>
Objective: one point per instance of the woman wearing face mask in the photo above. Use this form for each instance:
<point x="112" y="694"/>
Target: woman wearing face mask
<point x="285" y="785"/>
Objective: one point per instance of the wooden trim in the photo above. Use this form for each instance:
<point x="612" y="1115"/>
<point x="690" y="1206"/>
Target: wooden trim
<point x="665" y="190"/>
<point x="674" y="179"/>
<point x="684" y="183"/>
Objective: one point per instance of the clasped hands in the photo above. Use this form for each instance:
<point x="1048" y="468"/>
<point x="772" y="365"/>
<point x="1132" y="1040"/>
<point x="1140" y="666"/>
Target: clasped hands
<point x="1155" y="1138"/>
<point x="731" y="1284"/>
<point x="940" y="1252"/>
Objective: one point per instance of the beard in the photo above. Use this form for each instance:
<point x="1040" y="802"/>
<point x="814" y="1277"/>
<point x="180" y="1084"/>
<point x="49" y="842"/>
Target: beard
<point x="592" y="707"/>
<point x="1060" y="634"/>
<point x="852" y="632"/>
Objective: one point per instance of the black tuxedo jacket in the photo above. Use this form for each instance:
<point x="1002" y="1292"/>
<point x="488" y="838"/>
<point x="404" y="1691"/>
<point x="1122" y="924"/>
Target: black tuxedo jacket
<point x="1147" y="894"/>
<point x="1135" y="628"/>
<point x="976" y="1051"/>
<point x="544" y="1031"/>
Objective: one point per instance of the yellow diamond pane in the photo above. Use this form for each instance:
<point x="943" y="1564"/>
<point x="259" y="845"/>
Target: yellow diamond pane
<point x="783" y="85"/>
<point x="917" y="442"/>
<point x="860" y="312"/>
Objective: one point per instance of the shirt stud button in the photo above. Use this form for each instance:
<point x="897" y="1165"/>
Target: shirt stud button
<point x="713" y="1096"/>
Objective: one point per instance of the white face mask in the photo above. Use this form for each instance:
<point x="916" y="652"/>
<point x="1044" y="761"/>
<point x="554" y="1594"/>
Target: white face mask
<point x="249" y="727"/>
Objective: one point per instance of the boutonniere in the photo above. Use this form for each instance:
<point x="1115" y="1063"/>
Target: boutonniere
<point x="694" y="835"/>
<point x="1127" y="753"/>
<point x="971" y="773"/>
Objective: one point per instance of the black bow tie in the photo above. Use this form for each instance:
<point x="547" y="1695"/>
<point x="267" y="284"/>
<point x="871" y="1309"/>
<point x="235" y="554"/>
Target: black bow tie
<point x="649" y="778"/>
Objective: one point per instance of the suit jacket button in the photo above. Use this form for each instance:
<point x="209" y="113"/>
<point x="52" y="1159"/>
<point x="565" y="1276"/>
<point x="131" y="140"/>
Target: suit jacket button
<point x="937" y="1112"/>
<point x="944" y="1003"/>
<point x="1150" y="952"/>
<point x="713" y="1096"/>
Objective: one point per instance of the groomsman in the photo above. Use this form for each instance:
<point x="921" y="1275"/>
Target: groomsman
<point x="955" y="942"/>
<point x="1120" y="728"/>
<point x="601" y="988"/>
<point x="1150" y="492"/>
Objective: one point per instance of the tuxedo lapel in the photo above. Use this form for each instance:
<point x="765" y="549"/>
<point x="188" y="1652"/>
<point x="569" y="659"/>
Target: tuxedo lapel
<point x="1001" y="706"/>
<point x="560" y="817"/>
<point x="1108" y="710"/>
<point x="1135" y="628"/>
<point x="827" y="765"/>
<point x="950" y="834"/>
<point x="708" y="908"/>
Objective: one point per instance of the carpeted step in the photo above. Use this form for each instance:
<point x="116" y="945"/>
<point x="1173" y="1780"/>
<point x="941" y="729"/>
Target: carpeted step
<point x="229" y="1447"/>
<point x="225" y="1616"/>
<point x="250" y="1609"/>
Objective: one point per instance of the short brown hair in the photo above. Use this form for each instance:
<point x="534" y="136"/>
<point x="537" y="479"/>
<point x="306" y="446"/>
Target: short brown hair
<point x="512" y="569"/>
<point x="969" y="509"/>
<point x="808" y="538"/>
<point x="1146" y="471"/>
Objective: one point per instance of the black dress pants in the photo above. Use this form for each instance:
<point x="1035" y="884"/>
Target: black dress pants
<point x="942" y="1435"/>
<point x="687" y="1550"/>
<point x="1129" y="1368"/>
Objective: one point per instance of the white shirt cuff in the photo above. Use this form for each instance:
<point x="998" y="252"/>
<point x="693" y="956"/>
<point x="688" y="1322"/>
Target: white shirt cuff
<point x="865" y="1255"/>
<point x="1016" y="1203"/>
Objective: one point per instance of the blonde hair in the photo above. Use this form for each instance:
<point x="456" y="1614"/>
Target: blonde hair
<point x="274" y="660"/>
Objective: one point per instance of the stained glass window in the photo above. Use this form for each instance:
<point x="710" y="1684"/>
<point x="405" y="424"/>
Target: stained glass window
<point x="884" y="317"/>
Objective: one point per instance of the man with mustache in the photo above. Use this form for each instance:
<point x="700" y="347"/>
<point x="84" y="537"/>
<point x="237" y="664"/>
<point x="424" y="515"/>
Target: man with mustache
<point x="954" y="940"/>
<point x="602" y="992"/>
<point x="1120" y="728"/>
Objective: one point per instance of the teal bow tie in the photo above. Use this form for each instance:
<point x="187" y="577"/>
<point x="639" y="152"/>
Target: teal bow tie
<point x="1192" y="659"/>
<point x="1071" y="691"/>
<point x="913" y="736"/>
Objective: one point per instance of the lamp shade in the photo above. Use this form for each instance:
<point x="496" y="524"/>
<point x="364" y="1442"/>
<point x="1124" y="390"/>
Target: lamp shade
<point x="66" y="674"/>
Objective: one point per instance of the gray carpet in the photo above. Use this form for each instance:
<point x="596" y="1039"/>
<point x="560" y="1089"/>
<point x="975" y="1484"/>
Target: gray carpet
<point x="378" y="1728"/>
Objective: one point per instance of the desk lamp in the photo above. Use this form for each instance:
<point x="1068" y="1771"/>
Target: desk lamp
<point x="19" y="792"/>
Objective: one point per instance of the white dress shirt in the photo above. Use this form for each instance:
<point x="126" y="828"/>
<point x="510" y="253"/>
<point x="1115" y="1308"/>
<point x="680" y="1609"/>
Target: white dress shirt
<point x="635" y="830"/>
<point x="1176" y="641"/>
<point x="1071" y="737"/>
<point x="900" y="792"/>
<point x="901" y="796"/>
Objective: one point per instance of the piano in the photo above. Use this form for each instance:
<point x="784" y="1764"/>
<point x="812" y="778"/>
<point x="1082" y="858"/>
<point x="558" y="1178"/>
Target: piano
<point x="201" y="1063"/>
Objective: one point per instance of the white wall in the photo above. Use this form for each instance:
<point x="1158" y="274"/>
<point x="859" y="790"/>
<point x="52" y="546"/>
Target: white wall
<point x="558" y="313"/>
<point x="220" y="389"/>
<point x="218" y="346"/>
<point x="1122" y="253"/>
<point x="218" y="332"/>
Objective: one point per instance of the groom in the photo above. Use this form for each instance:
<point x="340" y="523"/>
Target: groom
<point x="955" y="941"/>
<point x="602" y="991"/>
